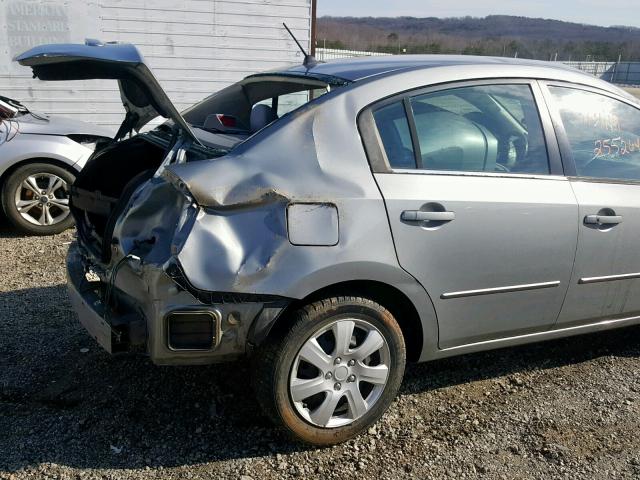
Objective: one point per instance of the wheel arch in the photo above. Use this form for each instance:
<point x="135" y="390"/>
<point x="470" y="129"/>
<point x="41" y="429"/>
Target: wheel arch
<point x="27" y="161"/>
<point x="388" y="296"/>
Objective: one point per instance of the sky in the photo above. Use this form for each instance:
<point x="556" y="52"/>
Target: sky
<point x="594" y="12"/>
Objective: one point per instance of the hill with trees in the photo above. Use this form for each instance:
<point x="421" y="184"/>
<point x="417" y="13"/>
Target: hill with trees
<point x="499" y="35"/>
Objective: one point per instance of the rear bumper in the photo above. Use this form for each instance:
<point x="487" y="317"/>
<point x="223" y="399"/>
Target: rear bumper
<point x="86" y="303"/>
<point x="145" y="300"/>
<point x="116" y="331"/>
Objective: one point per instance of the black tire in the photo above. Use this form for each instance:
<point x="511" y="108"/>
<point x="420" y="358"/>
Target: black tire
<point x="275" y="360"/>
<point x="15" y="182"/>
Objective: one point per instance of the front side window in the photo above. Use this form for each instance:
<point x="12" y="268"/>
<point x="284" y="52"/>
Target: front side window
<point x="604" y="133"/>
<point x="491" y="128"/>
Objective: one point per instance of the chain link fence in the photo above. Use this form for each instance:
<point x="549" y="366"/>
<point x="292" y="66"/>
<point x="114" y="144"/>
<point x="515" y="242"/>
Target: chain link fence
<point x="623" y="73"/>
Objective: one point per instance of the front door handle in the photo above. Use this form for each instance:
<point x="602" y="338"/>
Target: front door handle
<point x="420" y="216"/>
<point x="602" y="219"/>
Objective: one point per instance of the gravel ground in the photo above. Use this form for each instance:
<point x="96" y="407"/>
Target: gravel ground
<point x="565" y="409"/>
<point x="633" y="91"/>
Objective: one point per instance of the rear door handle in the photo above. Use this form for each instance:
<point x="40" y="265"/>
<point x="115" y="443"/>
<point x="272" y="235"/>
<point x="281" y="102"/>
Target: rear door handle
<point x="602" y="219"/>
<point x="420" y="216"/>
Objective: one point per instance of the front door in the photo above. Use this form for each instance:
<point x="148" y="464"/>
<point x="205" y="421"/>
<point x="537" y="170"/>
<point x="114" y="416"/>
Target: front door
<point x="602" y="139"/>
<point x="476" y="214"/>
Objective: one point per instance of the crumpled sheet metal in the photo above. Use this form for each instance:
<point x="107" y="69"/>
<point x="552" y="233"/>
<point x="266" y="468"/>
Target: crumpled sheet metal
<point x="152" y="215"/>
<point x="239" y="242"/>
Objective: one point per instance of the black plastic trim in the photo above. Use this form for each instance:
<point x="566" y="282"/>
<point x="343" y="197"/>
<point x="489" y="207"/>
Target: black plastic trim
<point x="176" y="273"/>
<point x="415" y="142"/>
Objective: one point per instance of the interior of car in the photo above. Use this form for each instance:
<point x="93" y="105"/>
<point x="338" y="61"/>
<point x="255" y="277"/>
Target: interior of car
<point x="466" y="129"/>
<point x="247" y="107"/>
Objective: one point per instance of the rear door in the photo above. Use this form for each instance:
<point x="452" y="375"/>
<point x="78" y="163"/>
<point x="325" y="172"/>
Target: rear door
<point x="600" y="138"/>
<point x="480" y="212"/>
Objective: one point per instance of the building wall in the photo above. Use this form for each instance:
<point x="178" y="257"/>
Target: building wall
<point x="328" y="54"/>
<point x="195" y="47"/>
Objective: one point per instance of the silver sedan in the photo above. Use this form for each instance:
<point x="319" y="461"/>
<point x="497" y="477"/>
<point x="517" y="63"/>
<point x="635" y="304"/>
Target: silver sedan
<point x="39" y="158"/>
<point x="335" y="221"/>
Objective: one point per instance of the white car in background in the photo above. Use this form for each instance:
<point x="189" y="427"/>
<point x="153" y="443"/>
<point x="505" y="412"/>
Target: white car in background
<point x="39" y="158"/>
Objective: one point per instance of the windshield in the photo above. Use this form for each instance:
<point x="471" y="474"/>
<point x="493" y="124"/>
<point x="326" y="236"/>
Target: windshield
<point x="255" y="102"/>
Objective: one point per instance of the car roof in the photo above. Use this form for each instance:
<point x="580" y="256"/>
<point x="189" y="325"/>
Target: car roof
<point x="354" y="69"/>
<point x="373" y="67"/>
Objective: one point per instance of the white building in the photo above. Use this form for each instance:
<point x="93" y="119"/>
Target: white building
<point x="195" y="47"/>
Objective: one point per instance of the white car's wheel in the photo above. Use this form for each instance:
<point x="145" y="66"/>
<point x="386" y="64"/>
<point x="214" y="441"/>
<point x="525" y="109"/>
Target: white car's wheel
<point x="35" y="198"/>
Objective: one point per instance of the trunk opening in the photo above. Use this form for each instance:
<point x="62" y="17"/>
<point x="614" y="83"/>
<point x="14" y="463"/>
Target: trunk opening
<point x="103" y="188"/>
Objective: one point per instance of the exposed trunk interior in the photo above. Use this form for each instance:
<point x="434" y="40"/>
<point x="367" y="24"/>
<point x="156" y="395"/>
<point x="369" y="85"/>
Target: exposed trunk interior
<point x="103" y="187"/>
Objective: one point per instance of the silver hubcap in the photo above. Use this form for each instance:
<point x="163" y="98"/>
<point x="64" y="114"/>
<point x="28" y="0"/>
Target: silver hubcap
<point x="339" y="373"/>
<point x="42" y="199"/>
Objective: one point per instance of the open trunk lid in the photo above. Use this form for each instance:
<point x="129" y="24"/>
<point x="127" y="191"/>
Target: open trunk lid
<point x="142" y="95"/>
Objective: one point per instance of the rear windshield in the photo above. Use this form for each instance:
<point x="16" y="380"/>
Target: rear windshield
<point x="255" y="102"/>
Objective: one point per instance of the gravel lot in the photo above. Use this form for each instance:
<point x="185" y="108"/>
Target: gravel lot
<point x="633" y="91"/>
<point x="566" y="409"/>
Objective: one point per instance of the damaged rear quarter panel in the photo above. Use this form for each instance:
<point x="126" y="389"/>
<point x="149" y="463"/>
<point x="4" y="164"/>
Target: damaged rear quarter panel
<point x="240" y="243"/>
<point x="240" y="240"/>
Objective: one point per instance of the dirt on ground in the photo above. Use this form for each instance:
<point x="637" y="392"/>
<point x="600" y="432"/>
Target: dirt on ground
<point x="633" y="91"/>
<point x="68" y="410"/>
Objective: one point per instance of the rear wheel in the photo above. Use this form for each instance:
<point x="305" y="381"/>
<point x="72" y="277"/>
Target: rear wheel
<point x="334" y="373"/>
<point x="35" y="198"/>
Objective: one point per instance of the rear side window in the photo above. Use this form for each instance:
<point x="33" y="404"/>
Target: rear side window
<point x="393" y="127"/>
<point x="604" y="133"/>
<point x="493" y="128"/>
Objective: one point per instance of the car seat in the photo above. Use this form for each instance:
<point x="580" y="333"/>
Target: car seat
<point x="261" y="116"/>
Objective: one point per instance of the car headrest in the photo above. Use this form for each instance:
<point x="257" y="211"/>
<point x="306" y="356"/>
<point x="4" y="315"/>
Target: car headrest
<point x="261" y="116"/>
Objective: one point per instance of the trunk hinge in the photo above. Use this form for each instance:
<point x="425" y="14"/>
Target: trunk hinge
<point x="177" y="154"/>
<point x="130" y="119"/>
